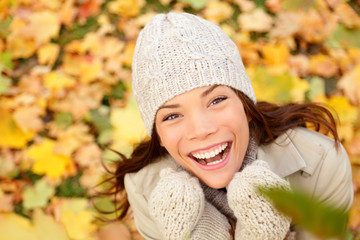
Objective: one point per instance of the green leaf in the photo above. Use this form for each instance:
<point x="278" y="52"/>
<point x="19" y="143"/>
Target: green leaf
<point x="309" y="213"/>
<point x="344" y="37"/>
<point x="296" y="5"/>
<point x="6" y="59"/>
<point x="100" y="121"/>
<point x="196" y="4"/>
<point x="64" y="119"/>
<point x="4" y="25"/>
<point x="317" y="87"/>
<point x="37" y="196"/>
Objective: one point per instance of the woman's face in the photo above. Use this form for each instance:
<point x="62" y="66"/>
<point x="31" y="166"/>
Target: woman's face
<point x="206" y="131"/>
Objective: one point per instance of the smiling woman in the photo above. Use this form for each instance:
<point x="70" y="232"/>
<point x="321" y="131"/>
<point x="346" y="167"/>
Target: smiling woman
<point x="212" y="144"/>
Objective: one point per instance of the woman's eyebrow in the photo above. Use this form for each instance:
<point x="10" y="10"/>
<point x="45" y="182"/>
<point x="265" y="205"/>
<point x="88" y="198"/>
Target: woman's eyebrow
<point x="169" y="106"/>
<point x="209" y="90"/>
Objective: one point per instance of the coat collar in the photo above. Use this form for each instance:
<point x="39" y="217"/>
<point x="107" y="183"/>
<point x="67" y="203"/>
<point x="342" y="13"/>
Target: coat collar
<point x="293" y="151"/>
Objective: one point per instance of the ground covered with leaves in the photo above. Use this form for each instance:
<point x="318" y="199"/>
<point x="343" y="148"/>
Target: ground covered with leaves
<point x="65" y="94"/>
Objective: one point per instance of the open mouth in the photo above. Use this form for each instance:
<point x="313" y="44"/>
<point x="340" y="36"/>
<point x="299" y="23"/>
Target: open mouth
<point x="212" y="156"/>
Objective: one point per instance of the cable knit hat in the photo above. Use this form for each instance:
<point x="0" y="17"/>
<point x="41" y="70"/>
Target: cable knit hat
<point x="177" y="52"/>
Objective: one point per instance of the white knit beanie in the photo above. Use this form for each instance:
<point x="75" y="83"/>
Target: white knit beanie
<point x="177" y="52"/>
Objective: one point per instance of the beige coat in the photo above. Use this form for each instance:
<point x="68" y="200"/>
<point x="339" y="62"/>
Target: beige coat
<point x="307" y="159"/>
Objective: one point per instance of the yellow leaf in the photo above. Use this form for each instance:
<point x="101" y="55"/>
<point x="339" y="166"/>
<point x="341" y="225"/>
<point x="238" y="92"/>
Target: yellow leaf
<point x="77" y="219"/>
<point x="217" y="11"/>
<point x="48" y="53"/>
<point x="47" y="162"/>
<point x="87" y="68"/>
<point x="47" y="228"/>
<point x="257" y="21"/>
<point x="57" y="81"/>
<point x="11" y="134"/>
<point x="346" y="113"/>
<point x="20" y="47"/>
<point x="350" y="83"/>
<point x="43" y="26"/>
<point x="126" y="8"/>
<point x="13" y="226"/>
<point x="128" y="126"/>
<point x="276" y="57"/>
<point x="129" y="53"/>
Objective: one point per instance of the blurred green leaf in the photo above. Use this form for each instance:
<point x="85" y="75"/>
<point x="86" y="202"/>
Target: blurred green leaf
<point x="6" y="60"/>
<point x="4" y="31"/>
<point x="100" y="122"/>
<point x="196" y="4"/>
<point x="37" y="196"/>
<point x="317" y="87"/>
<point x="296" y="5"/>
<point x="308" y="213"/>
<point x="64" y="120"/>
<point x="343" y="37"/>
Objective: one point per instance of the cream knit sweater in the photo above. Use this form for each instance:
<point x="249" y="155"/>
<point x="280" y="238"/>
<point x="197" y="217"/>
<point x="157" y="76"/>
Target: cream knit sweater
<point x="180" y="210"/>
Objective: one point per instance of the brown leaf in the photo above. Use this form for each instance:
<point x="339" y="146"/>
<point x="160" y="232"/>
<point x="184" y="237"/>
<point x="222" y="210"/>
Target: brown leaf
<point x="29" y="118"/>
<point x="115" y="231"/>
<point x="350" y="83"/>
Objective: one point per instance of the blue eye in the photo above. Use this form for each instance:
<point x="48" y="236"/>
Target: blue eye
<point x="218" y="100"/>
<point x="170" y="117"/>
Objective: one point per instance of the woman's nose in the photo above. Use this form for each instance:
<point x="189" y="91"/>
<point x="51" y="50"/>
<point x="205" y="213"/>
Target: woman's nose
<point x="199" y="126"/>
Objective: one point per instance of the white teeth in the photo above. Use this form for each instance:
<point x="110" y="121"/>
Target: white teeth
<point x="220" y="160"/>
<point x="212" y="153"/>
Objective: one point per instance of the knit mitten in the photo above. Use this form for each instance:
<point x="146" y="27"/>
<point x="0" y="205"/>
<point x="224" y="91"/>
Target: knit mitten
<point x="256" y="217"/>
<point x="176" y="203"/>
<point x="212" y="225"/>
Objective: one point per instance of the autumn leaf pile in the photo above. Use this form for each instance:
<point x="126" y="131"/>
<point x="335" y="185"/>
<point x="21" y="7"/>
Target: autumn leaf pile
<point x="65" y="94"/>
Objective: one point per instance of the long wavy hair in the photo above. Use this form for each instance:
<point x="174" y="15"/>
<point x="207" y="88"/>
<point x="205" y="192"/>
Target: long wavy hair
<point x="268" y="120"/>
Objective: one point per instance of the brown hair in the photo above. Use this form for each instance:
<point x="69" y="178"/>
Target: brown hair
<point x="268" y="120"/>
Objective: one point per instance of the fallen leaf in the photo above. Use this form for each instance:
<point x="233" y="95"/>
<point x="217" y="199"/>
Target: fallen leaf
<point x="299" y="64"/>
<point x="274" y="6"/>
<point x="126" y="8"/>
<point x="286" y="24"/>
<point x="47" y="228"/>
<point x="129" y="53"/>
<point x="48" y="53"/>
<point x="13" y="226"/>
<point x="78" y="220"/>
<point x="38" y="195"/>
<point x="257" y="20"/>
<point x="29" y="118"/>
<point x="11" y="134"/>
<point x="50" y="27"/>
<point x="350" y="83"/>
<point x="347" y="15"/>
<point x="217" y="11"/>
<point x="276" y="57"/>
<point x="46" y="161"/>
<point x="128" y="126"/>
<point x="115" y="231"/>
<point x="323" y="66"/>
<point x="6" y="202"/>
<point x="88" y="155"/>
<point x="196" y="4"/>
<point x="245" y="5"/>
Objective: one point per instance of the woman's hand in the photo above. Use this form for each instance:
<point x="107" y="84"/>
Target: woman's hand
<point x="178" y="205"/>
<point x="256" y="217"/>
